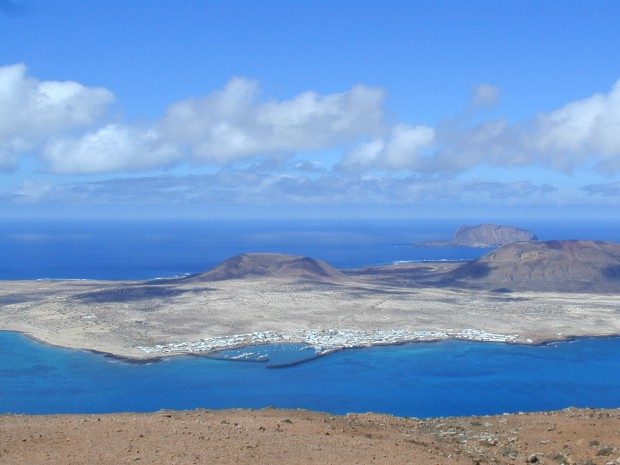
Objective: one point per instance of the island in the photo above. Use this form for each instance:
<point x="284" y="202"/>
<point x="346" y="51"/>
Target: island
<point x="524" y="292"/>
<point x="484" y="236"/>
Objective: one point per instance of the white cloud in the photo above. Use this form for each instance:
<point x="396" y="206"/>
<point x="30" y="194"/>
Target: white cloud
<point x="32" y="110"/>
<point x="405" y="145"/>
<point x="485" y="95"/>
<point x="366" y="154"/>
<point x="227" y="125"/>
<point x="583" y="133"/>
<point x="402" y="148"/>
<point x="111" y="148"/>
<point x="583" y="129"/>
<point x="233" y="123"/>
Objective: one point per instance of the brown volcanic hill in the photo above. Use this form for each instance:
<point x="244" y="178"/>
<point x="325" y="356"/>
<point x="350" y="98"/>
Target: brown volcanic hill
<point x="484" y="235"/>
<point x="270" y="265"/>
<point x="490" y="235"/>
<point x="570" y="266"/>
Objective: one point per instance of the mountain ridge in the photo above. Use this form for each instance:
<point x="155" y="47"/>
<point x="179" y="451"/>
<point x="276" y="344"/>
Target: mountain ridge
<point x="561" y="265"/>
<point x="547" y="266"/>
<point x="270" y="265"/>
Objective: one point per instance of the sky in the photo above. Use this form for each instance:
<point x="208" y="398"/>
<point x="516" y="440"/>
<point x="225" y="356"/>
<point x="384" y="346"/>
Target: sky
<point x="205" y="109"/>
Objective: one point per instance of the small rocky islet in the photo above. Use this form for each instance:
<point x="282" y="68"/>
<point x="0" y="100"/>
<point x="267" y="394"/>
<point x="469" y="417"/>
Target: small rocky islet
<point x="484" y="236"/>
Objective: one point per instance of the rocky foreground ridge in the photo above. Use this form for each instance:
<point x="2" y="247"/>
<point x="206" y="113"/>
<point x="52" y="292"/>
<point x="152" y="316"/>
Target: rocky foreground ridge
<point x="256" y="437"/>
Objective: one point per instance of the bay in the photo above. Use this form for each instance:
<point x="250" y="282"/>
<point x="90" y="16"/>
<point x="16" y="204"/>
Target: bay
<point x="419" y="379"/>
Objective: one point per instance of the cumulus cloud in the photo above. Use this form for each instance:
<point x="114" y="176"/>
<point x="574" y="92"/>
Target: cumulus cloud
<point x="402" y="149"/>
<point x="233" y="123"/>
<point x="494" y="143"/>
<point x="226" y="126"/>
<point x="61" y="123"/>
<point x="111" y="148"/>
<point x="32" y="110"/>
<point x="581" y="129"/>
<point x="582" y="133"/>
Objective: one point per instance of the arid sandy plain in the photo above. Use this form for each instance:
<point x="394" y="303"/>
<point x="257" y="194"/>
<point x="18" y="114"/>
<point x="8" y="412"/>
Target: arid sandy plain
<point x="137" y="320"/>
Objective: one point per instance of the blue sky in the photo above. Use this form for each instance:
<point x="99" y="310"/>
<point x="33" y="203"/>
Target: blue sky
<point x="323" y="108"/>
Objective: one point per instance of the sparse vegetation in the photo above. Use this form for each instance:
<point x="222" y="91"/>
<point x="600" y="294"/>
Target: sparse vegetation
<point x="605" y="451"/>
<point x="510" y="452"/>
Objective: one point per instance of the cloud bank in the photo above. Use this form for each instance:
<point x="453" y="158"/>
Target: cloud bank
<point x="285" y="185"/>
<point x="62" y="123"/>
<point x="582" y="133"/>
<point x="31" y="111"/>
<point x="111" y="148"/>
<point x="233" y="123"/>
<point x="572" y="134"/>
<point x="402" y="148"/>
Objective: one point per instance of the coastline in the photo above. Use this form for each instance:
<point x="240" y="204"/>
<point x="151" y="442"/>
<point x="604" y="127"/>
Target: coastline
<point x="137" y="322"/>
<point x="147" y="357"/>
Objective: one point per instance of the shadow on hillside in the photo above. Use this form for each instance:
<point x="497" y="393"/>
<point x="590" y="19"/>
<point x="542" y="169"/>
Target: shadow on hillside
<point x="134" y="294"/>
<point x="612" y="272"/>
<point x="472" y="270"/>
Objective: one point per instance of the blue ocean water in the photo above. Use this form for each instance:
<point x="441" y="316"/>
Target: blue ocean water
<point x="419" y="379"/>
<point x="78" y="249"/>
<point x="448" y="378"/>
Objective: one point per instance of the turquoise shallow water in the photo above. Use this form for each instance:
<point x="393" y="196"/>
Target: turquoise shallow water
<point x="422" y="379"/>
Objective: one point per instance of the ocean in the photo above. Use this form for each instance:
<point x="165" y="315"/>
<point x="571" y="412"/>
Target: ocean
<point x="78" y="249"/>
<point x="421" y="379"/>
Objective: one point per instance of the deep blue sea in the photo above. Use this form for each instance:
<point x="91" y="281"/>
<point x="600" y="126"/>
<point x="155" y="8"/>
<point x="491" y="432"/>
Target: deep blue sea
<point x="422" y="379"/>
<point x="127" y="249"/>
